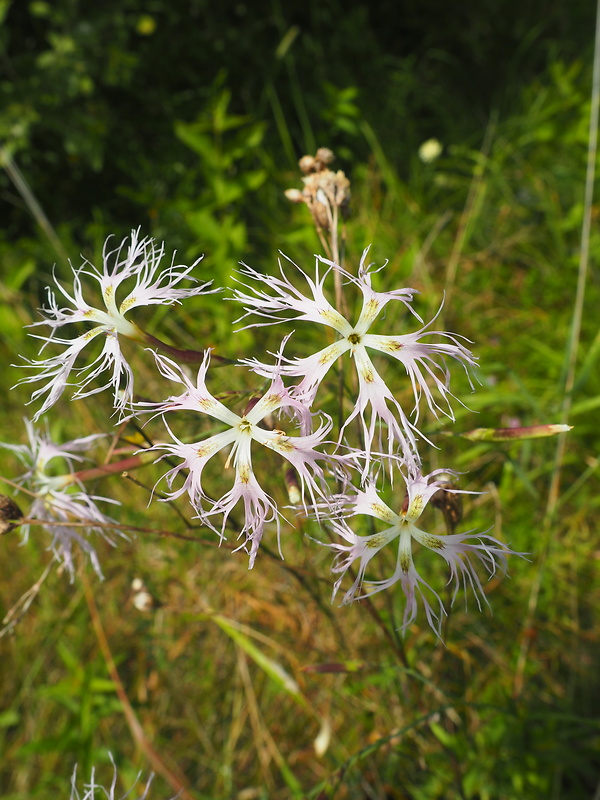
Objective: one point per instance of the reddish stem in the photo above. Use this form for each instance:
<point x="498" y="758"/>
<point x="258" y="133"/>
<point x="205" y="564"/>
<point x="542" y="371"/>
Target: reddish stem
<point x="187" y="356"/>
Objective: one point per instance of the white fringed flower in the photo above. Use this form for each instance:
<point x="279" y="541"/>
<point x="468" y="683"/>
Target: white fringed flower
<point x="138" y="259"/>
<point x="422" y="360"/>
<point x="59" y="500"/>
<point x="98" y="791"/>
<point x="456" y="549"/>
<point x="241" y="431"/>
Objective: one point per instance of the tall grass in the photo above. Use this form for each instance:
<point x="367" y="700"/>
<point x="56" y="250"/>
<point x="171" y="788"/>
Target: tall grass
<point x="250" y="684"/>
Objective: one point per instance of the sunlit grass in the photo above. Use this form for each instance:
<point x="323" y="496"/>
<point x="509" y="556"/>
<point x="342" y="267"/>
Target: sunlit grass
<point x="408" y="718"/>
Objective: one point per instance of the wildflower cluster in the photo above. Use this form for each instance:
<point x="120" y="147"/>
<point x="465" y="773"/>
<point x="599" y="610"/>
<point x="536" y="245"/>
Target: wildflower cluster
<point x="334" y="472"/>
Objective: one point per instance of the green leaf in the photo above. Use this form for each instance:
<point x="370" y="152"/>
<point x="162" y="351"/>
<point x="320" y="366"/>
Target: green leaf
<point x="272" y="668"/>
<point x="442" y="735"/>
<point x="9" y="718"/>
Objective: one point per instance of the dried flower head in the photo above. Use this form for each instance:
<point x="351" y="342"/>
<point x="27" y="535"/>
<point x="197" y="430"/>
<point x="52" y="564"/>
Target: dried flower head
<point x="326" y="193"/>
<point x="450" y="504"/>
<point x="317" y="163"/>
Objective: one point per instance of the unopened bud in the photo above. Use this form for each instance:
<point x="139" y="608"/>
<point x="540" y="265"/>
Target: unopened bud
<point x="514" y="434"/>
<point x="291" y="484"/>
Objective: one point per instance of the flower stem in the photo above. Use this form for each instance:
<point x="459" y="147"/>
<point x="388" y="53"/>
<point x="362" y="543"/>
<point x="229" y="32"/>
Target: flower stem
<point x="104" y="470"/>
<point x="185" y="356"/>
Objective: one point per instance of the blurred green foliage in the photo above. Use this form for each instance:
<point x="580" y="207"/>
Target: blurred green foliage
<point x="94" y="98"/>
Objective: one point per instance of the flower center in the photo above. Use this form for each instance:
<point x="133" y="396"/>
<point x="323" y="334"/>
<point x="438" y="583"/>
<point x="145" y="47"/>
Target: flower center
<point x="245" y="426"/>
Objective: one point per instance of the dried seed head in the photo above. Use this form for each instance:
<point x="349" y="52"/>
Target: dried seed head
<point x="325" y="192"/>
<point x="450" y="504"/>
<point x="10" y="514"/>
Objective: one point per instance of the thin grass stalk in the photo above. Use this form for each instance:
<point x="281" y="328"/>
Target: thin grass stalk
<point x="584" y="254"/>
<point x="30" y="200"/>
<point x="469" y="211"/>
<point x="553" y="492"/>
<point x="171" y="774"/>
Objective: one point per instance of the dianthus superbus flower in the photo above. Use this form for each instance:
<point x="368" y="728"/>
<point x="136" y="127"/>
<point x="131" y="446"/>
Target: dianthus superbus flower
<point x="456" y="549"/>
<point x="93" y="790"/>
<point x="136" y="258"/>
<point x="241" y="431"/>
<point x="58" y="499"/>
<point x="422" y="360"/>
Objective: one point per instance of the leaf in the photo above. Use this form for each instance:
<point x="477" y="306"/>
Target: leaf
<point x="442" y="735"/>
<point x="337" y="667"/>
<point x="272" y="668"/>
<point x="281" y="678"/>
<point x="9" y="718"/>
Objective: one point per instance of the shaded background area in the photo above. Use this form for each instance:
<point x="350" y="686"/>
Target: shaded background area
<point x="117" y="112"/>
<point x="187" y="119"/>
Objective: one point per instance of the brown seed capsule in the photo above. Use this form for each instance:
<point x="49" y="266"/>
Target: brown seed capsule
<point x="450" y="504"/>
<point x="323" y="157"/>
<point x="295" y="195"/>
<point x="10" y="514"/>
<point x="307" y="164"/>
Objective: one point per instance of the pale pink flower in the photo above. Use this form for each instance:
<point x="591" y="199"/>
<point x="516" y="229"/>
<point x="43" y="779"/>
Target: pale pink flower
<point x="241" y="431"/>
<point x="456" y="549"/>
<point x="422" y="360"/>
<point x="56" y="507"/>
<point x="138" y="259"/>
<point x="59" y="499"/>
